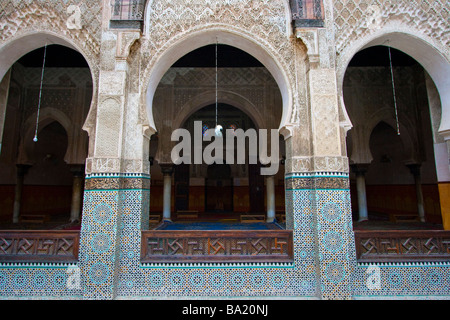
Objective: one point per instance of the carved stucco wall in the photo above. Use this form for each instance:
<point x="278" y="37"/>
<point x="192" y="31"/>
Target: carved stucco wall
<point x="262" y="22"/>
<point x="28" y="25"/>
<point x="418" y="27"/>
<point x="355" y="19"/>
<point x="21" y="18"/>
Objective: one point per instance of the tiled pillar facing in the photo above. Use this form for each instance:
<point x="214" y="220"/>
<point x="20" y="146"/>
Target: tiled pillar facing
<point x="99" y="253"/>
<point x="117" y="182"/>
<point x="323" y="231"/>
<point x="335" y="238"/>
<point x="328" y="180"/>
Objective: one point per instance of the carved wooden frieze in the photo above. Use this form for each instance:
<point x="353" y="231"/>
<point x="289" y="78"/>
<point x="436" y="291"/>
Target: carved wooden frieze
<point x="217" y="246"/>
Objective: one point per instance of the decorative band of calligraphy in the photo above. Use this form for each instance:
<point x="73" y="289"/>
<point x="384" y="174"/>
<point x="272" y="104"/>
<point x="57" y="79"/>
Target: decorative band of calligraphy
<point x="311" y="183"/>
<point x="117" y="183"/>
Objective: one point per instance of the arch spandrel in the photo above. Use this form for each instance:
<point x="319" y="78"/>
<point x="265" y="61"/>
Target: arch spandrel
<point x="435" y="62"/>
<point x="282" y="73"/>
<point x="243" y="26"/>
<point x="38" y="24"/>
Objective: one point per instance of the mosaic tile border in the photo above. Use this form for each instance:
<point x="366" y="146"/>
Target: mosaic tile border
<point x="37" y="281"/>
<point x="324" y="258"/>
<point x="404" y="279"/>
<point x="216" y="265"/>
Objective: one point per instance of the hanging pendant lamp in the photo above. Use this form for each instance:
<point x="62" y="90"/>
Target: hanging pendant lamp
<point x="35" y="139"/>
<point x="219" y="128"/>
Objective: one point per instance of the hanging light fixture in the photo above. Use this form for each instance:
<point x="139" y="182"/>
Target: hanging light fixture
<point x="219" y="128"/>
<point x="35" y="139"/>
<point x="393" y="91"/>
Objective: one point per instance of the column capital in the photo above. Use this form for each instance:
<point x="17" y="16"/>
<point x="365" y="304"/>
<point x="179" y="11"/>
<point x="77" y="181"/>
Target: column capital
<point x="415" y="169"/>
<point x="360" y="168"/>
<point x="167" y="169"/>
<point x="78" y="170"/>
<point x="22" y="169"/>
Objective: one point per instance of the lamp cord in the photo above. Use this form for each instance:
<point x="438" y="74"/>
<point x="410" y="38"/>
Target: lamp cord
<point x="217" y="85"/>
<point x="393" y="90"/>
<point x="40" y="95"/>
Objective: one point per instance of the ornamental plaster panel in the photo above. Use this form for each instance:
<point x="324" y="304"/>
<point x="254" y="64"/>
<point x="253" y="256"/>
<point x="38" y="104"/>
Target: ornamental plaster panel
<point x="112" y="83"/>
<point x="324" y="108"/>
<point x="417" y="27"/>
<point x="108" y="135"/>
<point x="357" y="19"/>
<point x="237" y="23"/>
<point x="22" y="17"/>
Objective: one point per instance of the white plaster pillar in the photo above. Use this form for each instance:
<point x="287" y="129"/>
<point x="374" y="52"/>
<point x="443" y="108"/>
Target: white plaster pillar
<point x="167" y="172"/>
<point x="77" y="194"/>
<point x="415" y="171"/>
<point x="270" y="189"/>
<point x="21" y="172"/>
<point x="360" y="171"/>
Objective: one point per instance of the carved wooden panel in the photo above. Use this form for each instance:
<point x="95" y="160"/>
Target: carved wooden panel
<point x="39" y="246"/>
<point x="402" y="246"/>
<point x="217" y="246"/>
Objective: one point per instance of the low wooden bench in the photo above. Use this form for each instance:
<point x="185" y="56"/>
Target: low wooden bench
<point x="405" y="218"/>
<point x="154" y="218"/>
<point x="281" y="216"/>
<point x="187" y="214"/>
<point x="34" y="218"/>
<point x="252" y="218"/>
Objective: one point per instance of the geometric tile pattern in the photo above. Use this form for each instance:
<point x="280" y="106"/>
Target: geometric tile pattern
<point x="216" y="280"/>
<point x="402" y="279"/>
<point x="324" y="256"/>
<point x="38" y="281"/>
<point x="326" y="197"/>
<point x="98" y="244"/>
<point x="106" y="237"/>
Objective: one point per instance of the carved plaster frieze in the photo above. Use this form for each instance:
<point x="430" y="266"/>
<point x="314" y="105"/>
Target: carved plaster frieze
<point x="317" y="164"/>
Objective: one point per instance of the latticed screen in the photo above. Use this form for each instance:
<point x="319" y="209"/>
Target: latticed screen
<point x="128" y="10"/>
<point x="307" y="10"/>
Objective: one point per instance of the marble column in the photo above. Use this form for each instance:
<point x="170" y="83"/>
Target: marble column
<point x="360" y="171"/>
<point x="270" y="189"/>
<point x="77" y="193"/>
<point x="21" y="172"/>
<point x="167" y="171"/>
<point x="415" y="171"/>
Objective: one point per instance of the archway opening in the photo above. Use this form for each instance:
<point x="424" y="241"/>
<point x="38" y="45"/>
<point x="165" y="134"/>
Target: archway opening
<point x="248" y="98"/>
<point x="37" y="177"/>
<point x="157" y="73"/>
<point x="395" y="127"/>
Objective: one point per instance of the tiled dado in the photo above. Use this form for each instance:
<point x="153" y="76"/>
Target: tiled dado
<point x="300" y="279"/>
